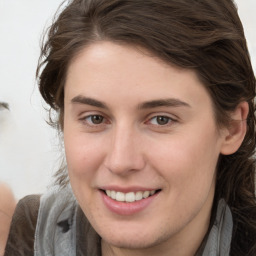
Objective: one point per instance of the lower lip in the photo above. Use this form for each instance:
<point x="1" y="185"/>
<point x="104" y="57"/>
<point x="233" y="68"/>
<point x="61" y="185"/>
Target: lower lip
<point x="122" y="208"/>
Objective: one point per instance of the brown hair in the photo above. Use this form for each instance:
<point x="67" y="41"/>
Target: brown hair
<point x="204" y="35"/>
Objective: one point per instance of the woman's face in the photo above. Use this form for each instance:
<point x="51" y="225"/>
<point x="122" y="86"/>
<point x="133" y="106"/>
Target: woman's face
<point x="141" y="146"/>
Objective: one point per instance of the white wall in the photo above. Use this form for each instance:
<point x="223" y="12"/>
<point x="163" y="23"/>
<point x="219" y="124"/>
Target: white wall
<point x="28" y="147"/>
<point x="247" y="12"/>
<point x="27" y="144"/>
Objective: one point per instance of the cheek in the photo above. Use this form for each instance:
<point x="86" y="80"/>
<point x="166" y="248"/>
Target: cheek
<point x="83" y="157"/>
<point x="82" y="161"/>
<point x="189" y="162"/>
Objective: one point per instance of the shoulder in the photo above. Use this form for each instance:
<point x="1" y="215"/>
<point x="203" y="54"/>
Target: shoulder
<point x="7" y="206"/>
<point x="32" y="214"/>
<point x="27" y="209"/>
<point x="23" y="226"/>
<point x="56" y="222"/>
<point x="41" y="222"/>
<point x="7" y="200"/>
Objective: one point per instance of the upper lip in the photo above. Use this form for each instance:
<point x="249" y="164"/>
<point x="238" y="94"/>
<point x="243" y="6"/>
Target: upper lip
<point x="128" y="189"/>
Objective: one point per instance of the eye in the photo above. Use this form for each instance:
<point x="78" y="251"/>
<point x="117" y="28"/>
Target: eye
<point x="94" y="119"/>
<point x="94" y="122"/>
<point x="160" y="120"/>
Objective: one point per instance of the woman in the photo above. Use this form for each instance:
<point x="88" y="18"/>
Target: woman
<point x="155" y="103"/>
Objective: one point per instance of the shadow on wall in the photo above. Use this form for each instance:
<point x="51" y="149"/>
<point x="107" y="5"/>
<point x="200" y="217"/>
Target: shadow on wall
<point x="4" y="109"/>
<point x="4" y="105"/>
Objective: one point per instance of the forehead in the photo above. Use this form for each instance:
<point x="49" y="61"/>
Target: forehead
<point x="113" y="72"/>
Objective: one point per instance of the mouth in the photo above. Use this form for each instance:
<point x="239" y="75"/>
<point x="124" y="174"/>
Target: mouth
<point x="130" y="197"/>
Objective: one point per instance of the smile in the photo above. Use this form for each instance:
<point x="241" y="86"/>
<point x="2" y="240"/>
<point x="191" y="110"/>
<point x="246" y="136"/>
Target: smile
<point x="129" y="197"/>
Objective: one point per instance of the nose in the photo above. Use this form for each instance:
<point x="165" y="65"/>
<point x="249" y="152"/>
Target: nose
<point x="125" y="153"/>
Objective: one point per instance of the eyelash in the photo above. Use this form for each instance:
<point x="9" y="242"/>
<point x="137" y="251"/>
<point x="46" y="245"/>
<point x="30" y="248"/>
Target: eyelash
<point x="102" y="120"/>
<point x="90" y="123"/>
<point x="169" y="121"/>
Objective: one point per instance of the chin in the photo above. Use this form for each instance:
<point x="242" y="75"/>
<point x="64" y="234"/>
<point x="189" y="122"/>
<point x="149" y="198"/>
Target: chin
<point x="131" y="243"/>
<point x="133" y="240"/>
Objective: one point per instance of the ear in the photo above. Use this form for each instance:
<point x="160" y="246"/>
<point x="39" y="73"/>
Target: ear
<point x="236" y="130"/>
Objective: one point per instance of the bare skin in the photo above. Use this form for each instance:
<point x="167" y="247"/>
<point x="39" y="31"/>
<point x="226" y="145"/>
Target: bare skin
<point x="7" y="206"/>
<point x="133" y="123"/>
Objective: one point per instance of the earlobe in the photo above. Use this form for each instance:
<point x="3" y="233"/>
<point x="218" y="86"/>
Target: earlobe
<point x="237" y="129"/>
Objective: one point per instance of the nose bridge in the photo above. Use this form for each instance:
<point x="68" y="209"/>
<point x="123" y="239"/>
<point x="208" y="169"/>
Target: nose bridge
<point x="124" y="154"/>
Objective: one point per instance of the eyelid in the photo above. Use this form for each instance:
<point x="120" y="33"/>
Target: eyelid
<point x="155" y="117"/>
<point x="172" y="120"/>
<point x="84" y="116"/>
<point x="157" y="114"/>
<point x="91" y="121"/>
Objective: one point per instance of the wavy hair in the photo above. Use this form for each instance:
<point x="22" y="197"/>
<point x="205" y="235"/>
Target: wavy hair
<point x="203" y="35"/>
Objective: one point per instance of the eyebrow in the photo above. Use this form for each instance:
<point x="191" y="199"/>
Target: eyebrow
<point x="89" y="101"/>
<point x="172" y="102"/>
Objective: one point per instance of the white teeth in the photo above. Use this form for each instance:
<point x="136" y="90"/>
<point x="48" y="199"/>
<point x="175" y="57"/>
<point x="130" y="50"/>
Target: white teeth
<point x="138" y="196"/>
<point x="120" y="196"/>
<point x="152" y="192"/>
<point x="146" y="194"/>
<point x="113" y="194"/>
<point x="129" y="197"/>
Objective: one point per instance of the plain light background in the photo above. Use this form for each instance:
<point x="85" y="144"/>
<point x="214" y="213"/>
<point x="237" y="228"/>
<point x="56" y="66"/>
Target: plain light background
<point x="29" y="150"/>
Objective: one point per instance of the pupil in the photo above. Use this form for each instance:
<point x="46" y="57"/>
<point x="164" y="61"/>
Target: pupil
<point x="97" y="119"/>
<point x="162" y="120"/>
